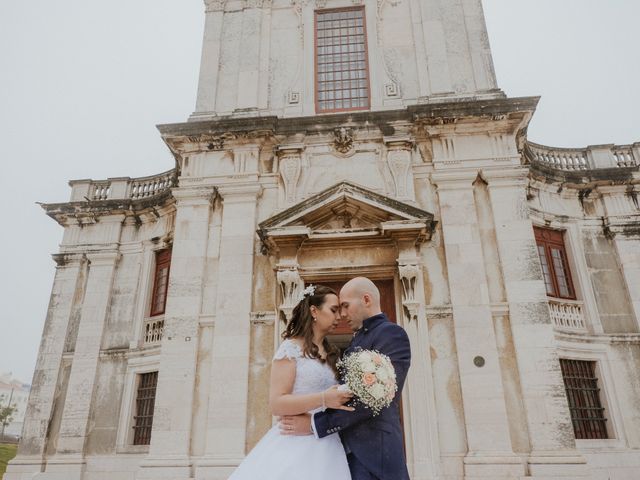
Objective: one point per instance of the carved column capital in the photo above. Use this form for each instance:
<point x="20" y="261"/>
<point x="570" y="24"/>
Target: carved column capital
<point x="244" y="192"/>
<point x="409" y="274"/>
<point x="290" y="284"/>
<point x="196" y="195"/>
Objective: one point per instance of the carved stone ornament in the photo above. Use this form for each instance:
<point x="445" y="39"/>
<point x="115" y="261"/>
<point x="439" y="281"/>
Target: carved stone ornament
<point x="409" y="279"/>
<point x="399" y="162"/>
<point x="343" y="140"/>
<point x="290" y="285"/>
<point x="290" y="158"/>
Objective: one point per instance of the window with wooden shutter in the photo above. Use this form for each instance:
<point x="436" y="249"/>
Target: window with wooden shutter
<point x="555" y="266"/>
<point x="160" y="282"/>
<point x="341" y="63"/>
<point x="583" y="394"/>
<point x="145" y="402"/>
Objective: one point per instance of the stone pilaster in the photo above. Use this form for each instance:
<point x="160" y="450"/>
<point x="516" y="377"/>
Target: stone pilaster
<point x="169" y="452"/>
<point x="421" y="426"/>
<point x="490" y="452"/>
<point x="80" y="391"/>
<point x="211" y="45"/>
<point x="66" y="286"/>
<point x="543" y="393"/>
<point x="227" y="416"/>
<point x="628" y="247"/>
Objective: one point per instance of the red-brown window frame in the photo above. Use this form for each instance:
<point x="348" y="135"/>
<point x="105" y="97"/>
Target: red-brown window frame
<point x="583" y="395"/>
<point x="549" y="238"/>
<point x="315" y="59"/>
<point x="163" y="259"/>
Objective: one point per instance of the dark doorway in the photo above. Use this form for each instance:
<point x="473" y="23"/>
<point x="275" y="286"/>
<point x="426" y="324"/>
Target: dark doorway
<point x="341" y="336"/>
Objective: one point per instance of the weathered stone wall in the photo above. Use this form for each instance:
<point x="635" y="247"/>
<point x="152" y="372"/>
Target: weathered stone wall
<point x="612" y="297"/>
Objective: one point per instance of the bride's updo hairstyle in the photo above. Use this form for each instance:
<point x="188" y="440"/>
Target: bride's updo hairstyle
<point x="301" y="325"/>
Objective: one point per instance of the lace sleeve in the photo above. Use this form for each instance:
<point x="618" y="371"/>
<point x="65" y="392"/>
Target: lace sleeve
<point x="288" y="349"/>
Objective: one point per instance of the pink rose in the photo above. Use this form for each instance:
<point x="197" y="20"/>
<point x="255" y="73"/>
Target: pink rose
<point x="369" y="379"/>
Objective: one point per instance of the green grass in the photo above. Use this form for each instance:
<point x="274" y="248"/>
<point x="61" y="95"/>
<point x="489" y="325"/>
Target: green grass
<point x="7" y="452"/>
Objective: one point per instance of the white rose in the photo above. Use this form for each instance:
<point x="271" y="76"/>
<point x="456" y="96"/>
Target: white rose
<point x="377" y="391"/>
<point x="382" y="375"/>
<point x="365" y="357"/>
<point x="368" y="367"/>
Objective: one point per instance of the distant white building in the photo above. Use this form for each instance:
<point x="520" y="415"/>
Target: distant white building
<point x="16" y="393"/>
<point x="335" y="138"/>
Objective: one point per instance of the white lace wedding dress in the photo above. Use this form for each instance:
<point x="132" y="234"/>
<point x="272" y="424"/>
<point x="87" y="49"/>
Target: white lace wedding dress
<point x="288" y="457"/>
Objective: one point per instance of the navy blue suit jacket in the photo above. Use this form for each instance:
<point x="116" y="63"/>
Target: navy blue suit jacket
<point x="376" y="441"/>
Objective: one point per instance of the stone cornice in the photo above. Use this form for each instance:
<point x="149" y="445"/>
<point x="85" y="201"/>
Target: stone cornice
<point x="581" y="179"/>
<point x="216" y="131"/>
<point x="90" y="211"/>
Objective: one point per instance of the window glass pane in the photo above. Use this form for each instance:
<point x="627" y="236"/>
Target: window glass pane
<point x="558" y="267"/>
<point x="546" y="273"/>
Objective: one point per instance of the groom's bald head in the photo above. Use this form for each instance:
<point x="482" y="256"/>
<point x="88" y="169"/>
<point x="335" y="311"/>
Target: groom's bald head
<point x="359" y="300"/>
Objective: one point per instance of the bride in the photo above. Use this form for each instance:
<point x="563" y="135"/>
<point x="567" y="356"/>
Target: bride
<point x="303" y="379"/>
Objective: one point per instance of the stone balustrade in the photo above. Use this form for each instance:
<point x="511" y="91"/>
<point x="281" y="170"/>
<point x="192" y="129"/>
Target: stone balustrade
<point x="122" y="188"/>
<point x="591" y="157"/>
<point x="153" y="330"/>
<point x="568" y="315"/>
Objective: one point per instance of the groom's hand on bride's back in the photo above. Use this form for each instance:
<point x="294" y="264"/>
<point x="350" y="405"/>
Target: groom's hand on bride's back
<point x="295" y="424"/>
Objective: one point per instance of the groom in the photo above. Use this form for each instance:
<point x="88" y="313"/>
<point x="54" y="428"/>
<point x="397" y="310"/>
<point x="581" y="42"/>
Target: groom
<point x="373" y="443"/>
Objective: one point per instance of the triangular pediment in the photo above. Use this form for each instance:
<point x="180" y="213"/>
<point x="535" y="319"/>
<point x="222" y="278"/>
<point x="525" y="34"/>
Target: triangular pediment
<point x="345" y="210"/>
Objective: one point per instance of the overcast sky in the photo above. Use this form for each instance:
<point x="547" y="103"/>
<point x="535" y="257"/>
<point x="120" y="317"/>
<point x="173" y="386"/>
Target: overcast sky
<point x="83" y="84"/>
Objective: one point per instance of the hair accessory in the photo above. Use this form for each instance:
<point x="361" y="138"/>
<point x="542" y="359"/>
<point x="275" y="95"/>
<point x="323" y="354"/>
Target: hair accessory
<point x="307" y="292"/>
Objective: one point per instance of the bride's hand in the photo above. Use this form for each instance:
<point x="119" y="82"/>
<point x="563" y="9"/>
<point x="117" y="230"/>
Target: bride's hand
<point x="336" y="399"/>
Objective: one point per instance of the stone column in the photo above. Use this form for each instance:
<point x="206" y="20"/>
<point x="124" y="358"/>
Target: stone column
<point x="548" y="420"/>
<point x="169" y="452"/>
<point x="490" y="453"/>
<point x="67" y="285"/>
<point x="227" y="416"/>
<point x="77" y="408"/>
<point x="421" y="424"/>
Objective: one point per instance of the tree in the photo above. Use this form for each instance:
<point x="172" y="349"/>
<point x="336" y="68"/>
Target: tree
<point x="6" y="412"/>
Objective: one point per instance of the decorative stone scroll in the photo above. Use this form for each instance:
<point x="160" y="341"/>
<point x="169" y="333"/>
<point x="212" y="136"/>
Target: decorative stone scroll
<point x="399" y="163"/>
<point x="290" y="285"/>
<point x="409" y="278"/>
<point x="290" y="159"/>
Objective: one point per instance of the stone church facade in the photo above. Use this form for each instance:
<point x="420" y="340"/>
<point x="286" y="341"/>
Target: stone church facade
<point x="335" y="138"/>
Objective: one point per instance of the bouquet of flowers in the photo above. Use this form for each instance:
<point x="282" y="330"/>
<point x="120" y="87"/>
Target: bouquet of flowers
<point x="370" y="376"/>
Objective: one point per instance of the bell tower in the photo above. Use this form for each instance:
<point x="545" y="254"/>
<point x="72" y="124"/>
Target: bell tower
<point x="292" y="58"/>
